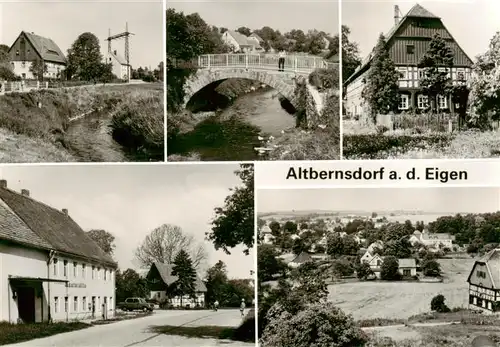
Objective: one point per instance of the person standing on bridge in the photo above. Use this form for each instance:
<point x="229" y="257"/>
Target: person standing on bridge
<point x="281" y="60"/>
<point x="242" y="307"/>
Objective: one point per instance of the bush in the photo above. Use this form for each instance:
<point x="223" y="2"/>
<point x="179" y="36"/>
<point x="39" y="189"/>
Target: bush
<point x="318" y="325"/>
<point x="325" y="78"/>
<point x="438" y="305"/>
<point x="372" y="146"/>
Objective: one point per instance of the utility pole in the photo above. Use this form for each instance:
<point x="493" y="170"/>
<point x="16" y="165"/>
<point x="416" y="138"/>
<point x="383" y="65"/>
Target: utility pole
<point x="126" y="35"/>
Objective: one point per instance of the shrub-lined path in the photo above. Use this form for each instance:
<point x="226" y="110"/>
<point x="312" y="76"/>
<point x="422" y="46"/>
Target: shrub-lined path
<point x="136" y="332"/>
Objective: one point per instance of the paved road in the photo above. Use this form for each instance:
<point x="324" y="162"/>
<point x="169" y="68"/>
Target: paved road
<point x="135" y="332"/>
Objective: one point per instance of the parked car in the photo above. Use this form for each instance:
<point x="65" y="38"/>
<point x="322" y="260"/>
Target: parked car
<point x="134" y="304"/>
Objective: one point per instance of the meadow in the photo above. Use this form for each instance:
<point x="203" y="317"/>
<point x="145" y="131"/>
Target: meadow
<point x="401" y="300"/>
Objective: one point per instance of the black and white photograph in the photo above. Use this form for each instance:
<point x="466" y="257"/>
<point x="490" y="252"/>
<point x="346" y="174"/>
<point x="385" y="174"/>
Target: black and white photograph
<point x="81" y="81"/>
<point x="419" y="79"/>
<point x="127" y="255"/>
<point x="252" y="80"/>
<point x="379" y="267"/>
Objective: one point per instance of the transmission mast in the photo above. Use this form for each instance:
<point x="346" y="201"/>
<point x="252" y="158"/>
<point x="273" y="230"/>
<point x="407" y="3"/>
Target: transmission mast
<point x="126" y="35"/>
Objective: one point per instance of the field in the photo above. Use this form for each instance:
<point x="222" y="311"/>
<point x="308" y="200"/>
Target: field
<point x="369" y="142"/>
<point x="393" y="300"/>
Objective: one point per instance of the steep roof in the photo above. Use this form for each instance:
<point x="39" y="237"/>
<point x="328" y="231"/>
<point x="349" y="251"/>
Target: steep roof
<point x="417" y="11"/>
<point x="45" y="47"/>
<point x="492" y="262"/>
<point x="302" y="258"/>
<point x="241" y="39"/>
<point x="50" y="228"/>
<point x="165" y="272"/>
<point x="436" y="236"/>
<point x="257" y="37"/>
<point x="118" y="58"/>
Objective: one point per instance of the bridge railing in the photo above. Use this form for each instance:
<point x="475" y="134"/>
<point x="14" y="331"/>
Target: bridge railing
<point x="293" y="63"/>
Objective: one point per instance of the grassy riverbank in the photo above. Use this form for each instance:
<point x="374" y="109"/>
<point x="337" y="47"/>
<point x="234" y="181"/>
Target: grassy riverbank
<point x="44" y="116"/>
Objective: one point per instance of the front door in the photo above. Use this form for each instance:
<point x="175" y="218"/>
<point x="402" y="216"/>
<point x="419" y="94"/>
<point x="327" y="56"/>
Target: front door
<point x="26" y="304"/>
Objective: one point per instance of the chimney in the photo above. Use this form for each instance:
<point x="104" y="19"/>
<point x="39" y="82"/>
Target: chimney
<point x="114" y="52"/>
<point x="65" y="211"/>
<point x="25" y="192"/>
<point x="396" y="14"/>
<point x="3" y="183"/>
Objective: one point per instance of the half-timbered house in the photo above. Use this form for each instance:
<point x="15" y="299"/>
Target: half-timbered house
<point x="484" y="282"/>
<point x="407" y="42"/>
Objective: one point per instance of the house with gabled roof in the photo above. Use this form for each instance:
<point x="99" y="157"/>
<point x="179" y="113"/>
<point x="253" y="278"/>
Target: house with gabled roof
<point x="50" y="270"/>
<point x="161" y="281"/>
<point x="119" y="66"/>
<point x="29" y="47"/>
<point x="240" y="43"/>
<point x="484" y="282"/>
<point x="407" y="42"/>
<point x="300" y="259"/>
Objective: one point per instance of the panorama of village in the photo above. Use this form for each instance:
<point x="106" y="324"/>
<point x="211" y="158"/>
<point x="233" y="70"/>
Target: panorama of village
<point x="417" y="83"/>
<point x="90" y="92"/>
<point x="125" y="260"/>
<point x="404" y="276"/>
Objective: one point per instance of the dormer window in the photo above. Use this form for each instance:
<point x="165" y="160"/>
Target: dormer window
<point x="410" y="49"/>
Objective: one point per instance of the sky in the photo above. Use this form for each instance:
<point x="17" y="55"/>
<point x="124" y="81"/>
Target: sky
<point x="431" y="200"/>
<point x="471" y="22"/>
<point x="129" y="201"/>
<point x="64" y="21"/>
<point x="278" y="14"/>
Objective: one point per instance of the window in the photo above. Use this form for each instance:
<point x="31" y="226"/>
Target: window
<point x="105" y="274"/>
<point x="110" y="302"/>
<point x="422" y="101"/>
<point x="461" y="76"/>
<point x="75" y="304"/>
<point x="65" y="304"/>
<point x="403" y="75"/>
<point x="55" y="266"/>
<point x="379" y="263"/>
<point x="65" y="268"/>
<point x="406" y="272"/>
<point x="442" y="102"/>
<point x="84" y="267"/>
<point x="410" y="49"/>
<point x="93" y="272"/>
<point x="471" y="299"/>
<point x="98" y="273"/>
<point x="84" y="304"/>
<point x="17" y="52"/>
<point x="403" y="102"/>
<point x="481" y="274"/>
<point x="75" y="269"/>
<point x="421" y="74"/>
<point x="56" y="304"/>
<point x="479" y="302"/>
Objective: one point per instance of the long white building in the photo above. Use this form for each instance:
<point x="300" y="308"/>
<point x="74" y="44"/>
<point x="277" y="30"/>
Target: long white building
<point x="49" y="268"/>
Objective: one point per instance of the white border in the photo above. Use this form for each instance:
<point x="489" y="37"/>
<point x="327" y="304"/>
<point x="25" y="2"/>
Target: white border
<point x="341" y="86"/>
<point x="164" y="30"/>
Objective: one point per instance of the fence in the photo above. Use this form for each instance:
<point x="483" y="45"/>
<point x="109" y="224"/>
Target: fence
<point x="27" y="85"/>
<point x="425" y="122"/>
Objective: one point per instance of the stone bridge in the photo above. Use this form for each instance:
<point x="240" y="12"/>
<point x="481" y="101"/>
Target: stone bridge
<point x="215" y="68"/>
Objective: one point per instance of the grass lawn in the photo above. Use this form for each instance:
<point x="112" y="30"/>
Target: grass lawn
<point x="364" y="142"/>
<point x="223" y="333"/>
<point x="402" y="300"/>
<point x="15" y="333"/>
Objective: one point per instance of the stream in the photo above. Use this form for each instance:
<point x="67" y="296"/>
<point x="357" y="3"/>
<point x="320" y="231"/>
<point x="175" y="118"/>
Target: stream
<point x="90" y="139"/>
<point x="233" y="133"/>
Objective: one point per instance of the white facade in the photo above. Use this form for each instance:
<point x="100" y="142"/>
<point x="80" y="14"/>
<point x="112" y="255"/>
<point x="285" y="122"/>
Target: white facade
<point x="161" y="296"/>
<point x="86" y="283"/>
<point x="120" y="69"/>
<point x="22" y="69"/>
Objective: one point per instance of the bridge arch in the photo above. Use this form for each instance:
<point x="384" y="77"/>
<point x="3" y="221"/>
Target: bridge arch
<point x="283" y="82"/>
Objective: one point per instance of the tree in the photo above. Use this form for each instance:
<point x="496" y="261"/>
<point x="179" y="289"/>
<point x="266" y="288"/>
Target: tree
<point x="389" y="269"/>
<point x="334" y="245"/>
<point x="234" y="223"/>
<point x="350" y="54"/>
<point x="164" y="242"/>
<point x="104" y="239"/>
<point x="130" y="284"/>
<point x="342" y="268"/>
<point x="244" y="30"/>
<point x="216" y="282"/>
<point x="400" y="248"/>
<point x="186" y="275"/>
<point x="381" y="90"/>
<point x="106" y="73"/>
<point x="363" y="270"/>
<point x="438" y="305"/>
<point x="4" y="54"/>
<point x="38" y="68"/>
<point x="275" y="228"/>
<point x="290" y="227"/>
<point x="268" y="263"/>
<point x="435" y="80"/>
<point x="431" y="268"/>
<point x="299" y="246"/>
<point x="84" y="58"/>
<point x="320" y="325"/>
<point x="351" y="246"/>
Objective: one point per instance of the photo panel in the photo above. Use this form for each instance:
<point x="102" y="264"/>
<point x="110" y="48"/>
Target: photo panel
<point x="390" y="266"/>
<point x="416" y="83"/>
<point x="159" y="255"/>
<point x="81" y="81"/>
<point x="245" y="82"/>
